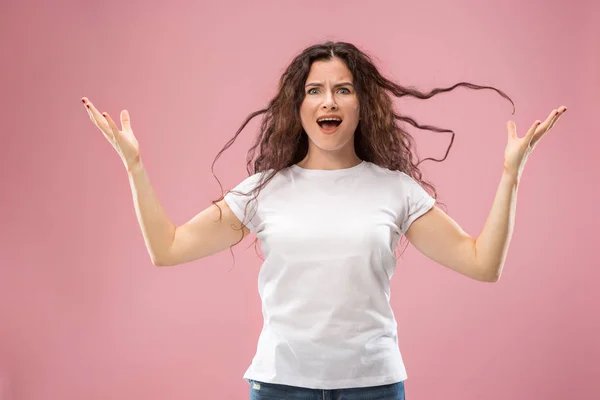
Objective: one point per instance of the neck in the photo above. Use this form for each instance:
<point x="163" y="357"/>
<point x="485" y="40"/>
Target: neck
<point x="329" y="161"/>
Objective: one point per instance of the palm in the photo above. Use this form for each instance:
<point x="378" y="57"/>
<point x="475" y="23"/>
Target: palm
<point x="123" y="140"/>
<point x="518" y="149"/>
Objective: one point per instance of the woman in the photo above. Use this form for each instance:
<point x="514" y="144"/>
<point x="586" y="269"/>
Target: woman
<point x="332" y="190"/>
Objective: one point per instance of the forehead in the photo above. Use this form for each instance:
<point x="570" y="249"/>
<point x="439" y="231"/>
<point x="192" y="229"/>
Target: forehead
<point x="329" y="70"/>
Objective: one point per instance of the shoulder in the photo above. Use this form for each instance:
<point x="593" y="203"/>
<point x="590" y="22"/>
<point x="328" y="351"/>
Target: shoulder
<point x="399" y="182"/>
<point x="387" y="174"/>
<point x="252" y="181"/>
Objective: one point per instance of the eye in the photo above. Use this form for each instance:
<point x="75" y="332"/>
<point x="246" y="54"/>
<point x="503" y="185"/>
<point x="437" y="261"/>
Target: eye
<point x="310" y="91"/>
<point x="347" y="91"/>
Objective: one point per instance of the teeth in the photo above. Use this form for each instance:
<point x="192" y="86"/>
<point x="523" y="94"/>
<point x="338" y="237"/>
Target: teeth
<point x="329" y="119"/>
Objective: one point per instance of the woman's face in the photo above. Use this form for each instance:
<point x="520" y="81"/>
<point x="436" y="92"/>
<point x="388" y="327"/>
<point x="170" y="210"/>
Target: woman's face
<point x="329" y="92"/>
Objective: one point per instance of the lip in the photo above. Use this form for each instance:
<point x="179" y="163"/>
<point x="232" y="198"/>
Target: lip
<point x="329" y="116"/>
<point x="331" y="131"/>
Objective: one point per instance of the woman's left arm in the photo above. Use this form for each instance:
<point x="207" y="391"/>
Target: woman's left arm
<point x="439" y="237"/>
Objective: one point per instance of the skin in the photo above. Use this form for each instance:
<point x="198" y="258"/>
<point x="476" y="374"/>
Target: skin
<point x="329" y="90"/>
<point x="435" y="234"/>
<point x="441" y="239"/>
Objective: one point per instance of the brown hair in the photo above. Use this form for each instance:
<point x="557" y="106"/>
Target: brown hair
<point x="379" y="137"/>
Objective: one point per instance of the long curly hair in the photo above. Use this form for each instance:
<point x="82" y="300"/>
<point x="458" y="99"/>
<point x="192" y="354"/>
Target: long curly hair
<point x="380" y="136"/>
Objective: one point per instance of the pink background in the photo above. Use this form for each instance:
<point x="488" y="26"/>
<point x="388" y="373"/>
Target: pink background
<point x="85" y="315"/>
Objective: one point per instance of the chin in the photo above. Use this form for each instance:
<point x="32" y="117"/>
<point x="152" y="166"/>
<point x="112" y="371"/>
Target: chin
<point x="330" y="143"/>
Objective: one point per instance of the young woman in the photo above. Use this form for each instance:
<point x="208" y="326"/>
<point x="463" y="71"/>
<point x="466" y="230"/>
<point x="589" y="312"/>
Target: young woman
<point x="332" y="190"/>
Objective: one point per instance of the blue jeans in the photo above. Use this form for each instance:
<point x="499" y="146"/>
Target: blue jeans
<point x="271" y="391"/>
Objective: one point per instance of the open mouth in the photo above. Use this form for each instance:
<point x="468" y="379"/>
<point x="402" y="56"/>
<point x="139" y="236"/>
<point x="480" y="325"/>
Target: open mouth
<point x="329" y="124"/>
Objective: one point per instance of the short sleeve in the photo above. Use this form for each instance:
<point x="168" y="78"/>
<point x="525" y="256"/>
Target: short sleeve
<point x="239" y="196"/>
<point x="416" y="202"/>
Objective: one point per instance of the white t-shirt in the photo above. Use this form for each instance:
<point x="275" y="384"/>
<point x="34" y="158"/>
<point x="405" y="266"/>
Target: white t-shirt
<point x="328" y="238"/>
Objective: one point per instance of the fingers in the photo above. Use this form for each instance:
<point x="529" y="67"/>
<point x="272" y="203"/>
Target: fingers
<point x="549" y="120"/>
<point x="98" y="120"/>
<point x="553" y="118"/>
<point x="532" y="130"/>
<point x="512" y="129"/>
<point x="96" y="116"/>
<point x="556" y="116"/>
<point x="95" y="113"/>
<point x="111" y="124"/>
<point x="125" y="120"/>
<point x="87" y="108"/>
<point x="535" y="134"/>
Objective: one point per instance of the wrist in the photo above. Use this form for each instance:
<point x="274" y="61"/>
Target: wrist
<point x="511" y="176"/>
<point x="134" y="167"/>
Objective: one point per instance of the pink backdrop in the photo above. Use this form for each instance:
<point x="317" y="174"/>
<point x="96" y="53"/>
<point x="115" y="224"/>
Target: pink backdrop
<point x="85" y="315"/>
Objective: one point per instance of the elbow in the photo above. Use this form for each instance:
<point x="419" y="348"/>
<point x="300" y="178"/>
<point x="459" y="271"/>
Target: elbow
<point x="157" y="263"/>
<point x="163" y="258"/>
<point x="492" y="275"/>
<point x="492" y="279"/>
<point x="488" y="273"/>
<point x="160" y="262"/>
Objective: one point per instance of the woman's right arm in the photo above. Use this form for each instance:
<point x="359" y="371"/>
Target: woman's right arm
<point x="169" y="245"/>
<point x="203" y="235"/>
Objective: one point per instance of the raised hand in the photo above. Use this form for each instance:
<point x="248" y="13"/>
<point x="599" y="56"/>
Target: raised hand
<point x="519" y="149"/>
<point x="123" y="141"/>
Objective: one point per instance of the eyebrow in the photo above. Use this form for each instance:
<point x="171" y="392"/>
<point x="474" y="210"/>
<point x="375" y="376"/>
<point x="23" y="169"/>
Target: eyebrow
<point x="335" y="86"/>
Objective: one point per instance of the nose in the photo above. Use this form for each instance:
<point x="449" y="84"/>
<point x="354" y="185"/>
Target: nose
<point x="329" y="102"/>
